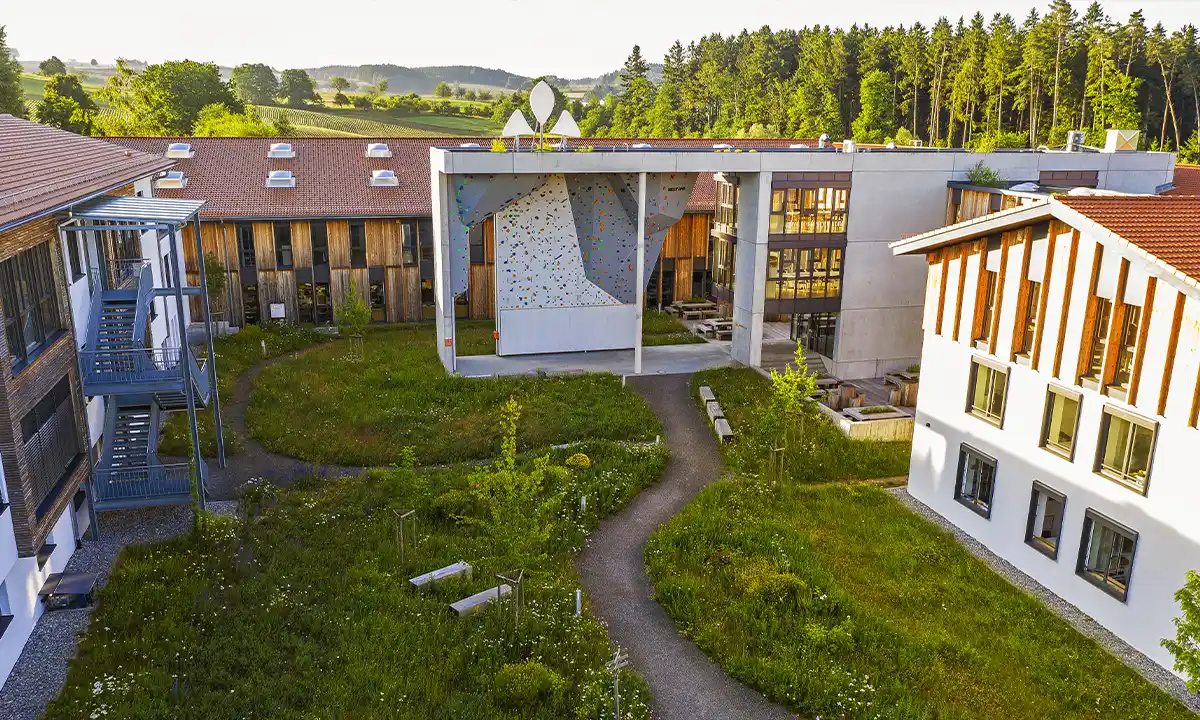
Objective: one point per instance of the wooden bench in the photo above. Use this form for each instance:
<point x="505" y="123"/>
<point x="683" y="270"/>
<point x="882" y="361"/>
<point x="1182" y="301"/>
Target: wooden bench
<point x="479" y="601"/>
<point x="458" y="569"/>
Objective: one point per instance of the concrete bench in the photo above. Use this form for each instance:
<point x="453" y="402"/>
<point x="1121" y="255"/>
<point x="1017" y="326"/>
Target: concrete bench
<point x="479" y="601"/>
<point x="714" y="410"/>
<point x="724" y="432"/>
<point x="458" y="569"/>
<point x="706" y="393"/>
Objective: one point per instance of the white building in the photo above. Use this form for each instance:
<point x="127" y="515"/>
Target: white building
<point x="67" y="368"/>
<point x="800" y="237"/>
<point x="1057" y="423"/>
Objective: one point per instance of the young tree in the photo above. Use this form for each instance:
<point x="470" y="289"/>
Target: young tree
<point x="254" y="84"/>
<point x="382" y="86"/>
<point x="341" y="99"/>
<point x="296" y="88"/>
<point x="66" y="105"/>
<point x="215" y="276"/>
<point x="12" y="98"/>
<point x="471" y="96"/>
<point x="217" y="121"/>
<point x="872" y="124"/>
<point x="1186" y="645"/>
<point x="637" y="95"/>
<point x="791" y="391"/>
<point x="52" y="66"/>
<point x="166" y="99"/>
<point x="352" y="316"/>
<point x="443" y="90"/>
<point x="485" y="95"/>
<point x="94" y="63"/>
<point x="340" y="84"/>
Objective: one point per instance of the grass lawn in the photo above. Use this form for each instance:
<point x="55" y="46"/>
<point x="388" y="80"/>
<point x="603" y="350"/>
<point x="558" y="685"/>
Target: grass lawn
<point x="659" y="328"/>
<point x="322" y="407"/>
<point x="839" y="602"/>
<point x="235" y="354"/>
<point x="303" y="612"/>
<point x="827" y="455"/>
<point x="375" y="123"/>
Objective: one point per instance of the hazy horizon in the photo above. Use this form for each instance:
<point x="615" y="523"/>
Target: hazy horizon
<point x="526" y="37"/>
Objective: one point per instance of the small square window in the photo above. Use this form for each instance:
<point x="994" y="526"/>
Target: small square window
<point x="1046" y="508"/>
<point x="989" y="387"/>
<point x="1126" y="448"/>
<point x="1061" y="421"/>
<point x="976" y="480"/>
<point x="1106" y="554"/>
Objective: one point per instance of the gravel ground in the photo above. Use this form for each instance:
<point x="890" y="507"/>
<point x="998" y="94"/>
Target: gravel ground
<point x="1142" y="665"/>
<point x="42" y="668"/>
<point x="684" y="683"/>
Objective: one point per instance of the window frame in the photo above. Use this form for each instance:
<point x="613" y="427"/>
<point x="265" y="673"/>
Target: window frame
<point x="1107" y="413"/>
<point x="978" y="361"/>
<point x="320" y="257"/>
<point x="1092" y="518"/>
<point x="358" y="255"/>
<point x="247" y="258"/>
<point x="984" y="511"/>
<point x="32" y="313"/>
<point x="281" y="233"/>
<point x="1040" y="488"/>
<point x="1044" y="443"/>
<point x="74" y="257"/>
<point x="409" y="252"/>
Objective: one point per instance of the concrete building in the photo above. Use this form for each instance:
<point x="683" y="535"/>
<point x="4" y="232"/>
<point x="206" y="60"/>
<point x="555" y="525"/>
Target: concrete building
<point x="92" y="352"/>
<point x="1064" y="336"/>
<point x="800" y="240"/>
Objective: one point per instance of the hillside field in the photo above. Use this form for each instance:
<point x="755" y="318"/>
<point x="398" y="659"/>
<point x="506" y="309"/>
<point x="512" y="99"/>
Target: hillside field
<point x="357" y="123"/>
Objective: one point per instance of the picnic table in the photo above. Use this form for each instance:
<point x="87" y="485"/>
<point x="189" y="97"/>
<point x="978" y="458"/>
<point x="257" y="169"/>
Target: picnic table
<point x="696" y="310"/>
<point x="68" y="591"/>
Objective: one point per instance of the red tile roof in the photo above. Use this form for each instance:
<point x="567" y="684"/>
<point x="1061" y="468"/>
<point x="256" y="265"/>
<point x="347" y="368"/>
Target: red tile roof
<point x="1187" y="180"/>
<point x="1167" y="227"/>
<point x="42" y="168"/>
<point x="332" y="174"/>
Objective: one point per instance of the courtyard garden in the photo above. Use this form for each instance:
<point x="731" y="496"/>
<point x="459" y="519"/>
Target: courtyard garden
<point x="301" y="608"/>
<point x="659" y="328"/>
<point x="832" y="598"/>
<point x="322" y="407"/>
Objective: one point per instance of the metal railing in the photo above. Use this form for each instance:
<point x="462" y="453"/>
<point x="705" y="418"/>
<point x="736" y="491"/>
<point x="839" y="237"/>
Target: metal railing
<point x="125" y="274"/>
<point x="124" y="484"/>
<point x="132" y="367"/>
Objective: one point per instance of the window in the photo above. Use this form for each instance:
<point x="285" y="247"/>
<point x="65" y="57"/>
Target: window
<point x="1046" y="509"/>
<point x="31" y="314"/>
<point x="1125" y="448"/>
<point x="987" y="306"/>
<point x="1062" y="421"/>
<point x="245" y="238"/>
<point x="408" y="230"/>
<point x="250" y="304"/>
<point x="989" y="385"/>
<point x="48" y="434"/>
<point x="425" y="238"/>
<point x="796" y="211"/>
<point x="723" y="252"/>
<point x="1098" y="342"/>
<point x="324" y="306"/>
<point x="475" y="244"/>
<point x="428" y="299"/>
<point x="1106" y="554"/>
<point x="6" y="616"/>
<point x="358" y="245"/>
<point x="1128" y="338"/>
<point x="320" y="243"/>
<point x="804" y="274"/>
<point x="976" y="480"/>
<point x="168" y="277"/>
<point x="726" y="210"/>
<point x="378" y="302"/>
<point x="1028" y="331"/>
<point x="283" y="245"/>
<point x="73" y="255"/>
<point x="816" y="332"/>
<point x="304" y="296"/>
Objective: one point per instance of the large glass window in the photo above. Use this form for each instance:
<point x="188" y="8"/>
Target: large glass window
<point x="1125" y="448"/>
<point x="1046" y="509"/>
<point x="989" y="386"/>
<point x="304" y="292"/>
<point x="425" y="237"/>
<point x="807" y="211"/>
<point x="1106" y="554"/>
<point x="723" y="252"/>
<point x="283" y="245"/>
<point x="1098" y="342"/>
<point x="250" y="309"/>
<point x="378" y="302"/>
<point x="804" y="274"/>
<point x="245" y="239"/>
<point x="320" y="243"/>
<point x="976" y="480"/>
<point x="1028" y="330"/>
<point x="358" y="245"/>
<point x="408" y="230"/>
<point x="324" y="303"/>
<point x="726" y="210"/>
<point x="987" y="305"/>
<point x="31" y="314"/>
<point x="1130" y="329"/>
<point x="1062" y="421"/>
<point x="817" y="332"/>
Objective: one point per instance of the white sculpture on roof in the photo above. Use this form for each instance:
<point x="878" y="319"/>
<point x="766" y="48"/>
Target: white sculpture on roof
<point x="541" y="102"/>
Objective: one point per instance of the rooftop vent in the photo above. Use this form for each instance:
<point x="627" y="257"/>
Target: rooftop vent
<point x="171" y="180"/>
<point x="797" y="146"/>
<point x="468" y="145"/>
<point x="281" y="150"/>
<point x="849" y="146"/>
<point x="384" y="178"/>
<point x="378" y="150"/>
<point x="1121" y="140"/>
<point x="722" y="146"/>
<point x="281" y="179"/>
<point x="180" y="151"/>
<point x="641" y="146"/>
<point x="1075" y="139"/>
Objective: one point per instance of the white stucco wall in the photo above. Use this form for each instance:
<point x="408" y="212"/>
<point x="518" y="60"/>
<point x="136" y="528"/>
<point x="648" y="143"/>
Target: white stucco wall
<point x="1165" y="518"/>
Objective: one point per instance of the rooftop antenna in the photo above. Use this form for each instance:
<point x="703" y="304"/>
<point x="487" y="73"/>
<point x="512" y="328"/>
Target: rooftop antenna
<point x="516" y="126"/>
<point x="541" y="101"/>
<point x="566" y="127"/>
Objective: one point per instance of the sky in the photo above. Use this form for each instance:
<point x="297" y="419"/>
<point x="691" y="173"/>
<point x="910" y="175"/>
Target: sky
<point x="527" y="37"/>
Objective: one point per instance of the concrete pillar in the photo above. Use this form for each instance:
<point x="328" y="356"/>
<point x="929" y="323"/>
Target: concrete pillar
<point x="640" y="295"/>
<point x="750" y="267"/>
<point x="443" y="290"/>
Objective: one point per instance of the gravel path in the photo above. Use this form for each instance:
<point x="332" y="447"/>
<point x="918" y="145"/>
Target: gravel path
<point x="1142" y="665"/>
<point x="684" y="683"/>
<point x="41" y="670"/>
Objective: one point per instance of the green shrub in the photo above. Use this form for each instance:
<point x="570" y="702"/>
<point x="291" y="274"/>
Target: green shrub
<point x="578" y="461"/>
<point x="520" y="685"/>
<point x="984" y="176"/>
<point x="453" y="504"/>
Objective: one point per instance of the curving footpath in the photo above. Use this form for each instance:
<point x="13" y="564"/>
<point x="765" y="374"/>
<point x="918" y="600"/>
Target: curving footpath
<point x="684" y="683"/>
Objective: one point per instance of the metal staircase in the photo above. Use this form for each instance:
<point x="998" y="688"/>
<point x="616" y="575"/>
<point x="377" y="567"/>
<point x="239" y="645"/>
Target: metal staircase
<point x="140" y="383"/>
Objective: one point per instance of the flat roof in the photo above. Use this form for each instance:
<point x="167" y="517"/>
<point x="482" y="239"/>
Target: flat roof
<point x="125" y="209"/>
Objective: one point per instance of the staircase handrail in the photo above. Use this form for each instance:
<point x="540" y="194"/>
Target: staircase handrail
<point x="199" y="376"/>
<point x="127" y="269"/>
<point x="132" y="365"/>
<point x="145" y="296"/>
